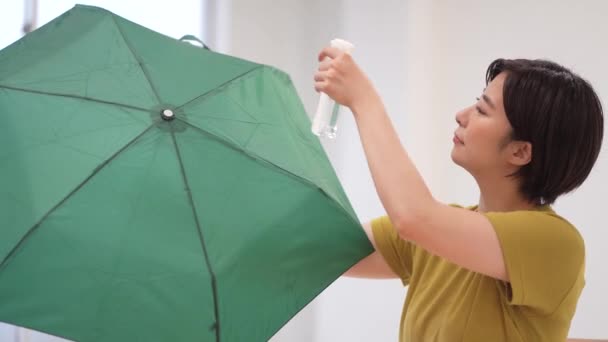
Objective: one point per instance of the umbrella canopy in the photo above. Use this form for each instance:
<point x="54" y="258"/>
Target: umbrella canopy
<point x="152" y="190"/>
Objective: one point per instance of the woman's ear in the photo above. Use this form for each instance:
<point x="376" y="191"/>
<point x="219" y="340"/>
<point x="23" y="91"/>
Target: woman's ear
<point x="520" y="153"/>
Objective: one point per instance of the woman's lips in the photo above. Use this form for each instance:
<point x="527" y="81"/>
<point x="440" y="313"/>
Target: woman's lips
<point x="456" y="140"/>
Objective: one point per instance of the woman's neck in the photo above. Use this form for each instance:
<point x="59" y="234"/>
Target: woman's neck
<point x="502" y="194"/>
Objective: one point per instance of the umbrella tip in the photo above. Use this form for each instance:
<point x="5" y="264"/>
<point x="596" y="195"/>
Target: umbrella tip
<point x="167" y="114"/>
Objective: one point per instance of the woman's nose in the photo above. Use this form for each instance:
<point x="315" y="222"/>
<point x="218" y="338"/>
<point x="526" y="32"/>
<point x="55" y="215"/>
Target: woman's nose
<point x="461" y="117"/>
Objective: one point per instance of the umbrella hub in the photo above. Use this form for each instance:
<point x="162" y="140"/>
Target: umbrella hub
<point x="167" y="114"/>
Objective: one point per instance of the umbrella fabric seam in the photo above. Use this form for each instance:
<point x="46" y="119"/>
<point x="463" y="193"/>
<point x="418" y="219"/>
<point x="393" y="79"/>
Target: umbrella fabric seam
<point x="84" y="98"/>
<point x="279" y="168"/>
<point x="141" y="65"/>
<point x="216" y="326"/>
<point x="27" y="37"/>
<point x="303" y="141"/>
<point x="313" y="297"/>
<point x="68" y="196"/>
<point x="238" y="104"/>
<point x="240" y="78"/>
<point x="220" y="87"/>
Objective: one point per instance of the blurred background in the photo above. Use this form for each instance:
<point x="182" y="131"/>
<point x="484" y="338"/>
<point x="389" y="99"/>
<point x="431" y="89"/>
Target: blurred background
<point x="428" y="59"/>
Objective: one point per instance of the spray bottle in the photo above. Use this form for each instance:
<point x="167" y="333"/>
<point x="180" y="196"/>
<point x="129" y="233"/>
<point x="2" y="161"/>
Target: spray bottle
<point x="325" y="120"/>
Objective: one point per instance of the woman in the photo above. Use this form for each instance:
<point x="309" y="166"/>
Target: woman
<point x="508" y="268"/>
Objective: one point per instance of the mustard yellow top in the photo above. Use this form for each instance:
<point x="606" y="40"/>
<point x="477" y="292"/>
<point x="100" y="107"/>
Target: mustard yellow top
<point x="544" y="255"/>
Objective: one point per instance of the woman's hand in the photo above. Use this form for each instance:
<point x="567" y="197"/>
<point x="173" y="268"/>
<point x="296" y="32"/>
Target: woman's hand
<point x="342" y="79"/>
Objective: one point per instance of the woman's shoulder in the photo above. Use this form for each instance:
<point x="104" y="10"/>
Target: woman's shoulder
<point x="540" y="218"/>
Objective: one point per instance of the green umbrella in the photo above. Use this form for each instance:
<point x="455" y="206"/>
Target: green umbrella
<point x="152" y="190"/>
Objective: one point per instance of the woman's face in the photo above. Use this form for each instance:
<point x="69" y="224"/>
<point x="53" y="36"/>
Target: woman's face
<point x="483" y="133"/>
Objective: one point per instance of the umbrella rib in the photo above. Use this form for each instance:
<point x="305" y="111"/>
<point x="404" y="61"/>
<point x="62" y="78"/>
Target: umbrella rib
<point x="256" y="157"/>
<point x="216" y="326"/>
<point x="216" y="89"/>
<point x="141" y="65"/>
<point x="73" y="97"/>
<point x="261" y="160"/>
<point x="68" y="196"/>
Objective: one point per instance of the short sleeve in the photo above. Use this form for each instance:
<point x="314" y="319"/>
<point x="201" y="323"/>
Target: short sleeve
<point x="544" y="256"/>
<point x="397" y="252"/>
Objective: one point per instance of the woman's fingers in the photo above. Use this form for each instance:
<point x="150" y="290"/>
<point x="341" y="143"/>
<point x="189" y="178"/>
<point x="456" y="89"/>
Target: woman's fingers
<point x="321" y="86"/>
<point x="319" y="76"/>
<point x="325" y="64"/>
<point x="330" y="52"/>
<point x="338" y="76"/>
<point x="323" y="79"/>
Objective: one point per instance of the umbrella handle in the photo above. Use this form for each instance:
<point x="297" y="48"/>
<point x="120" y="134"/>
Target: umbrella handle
<point x="190" y="37"/>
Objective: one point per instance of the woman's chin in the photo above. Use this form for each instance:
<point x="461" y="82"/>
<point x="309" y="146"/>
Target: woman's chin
<point x="456" y="158"/>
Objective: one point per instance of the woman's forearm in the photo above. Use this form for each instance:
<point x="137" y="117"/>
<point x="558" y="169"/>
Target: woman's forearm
<point x="400" y="186"/>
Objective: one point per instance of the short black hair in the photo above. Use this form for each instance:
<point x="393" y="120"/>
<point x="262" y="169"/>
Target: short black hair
<point x="560" y="114"/>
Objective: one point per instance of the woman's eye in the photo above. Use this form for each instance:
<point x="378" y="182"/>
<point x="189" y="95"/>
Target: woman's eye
<point x="479" y="110"/>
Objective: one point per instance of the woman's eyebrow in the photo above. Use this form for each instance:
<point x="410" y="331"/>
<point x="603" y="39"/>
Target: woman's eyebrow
<point x="488" y="101"/>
